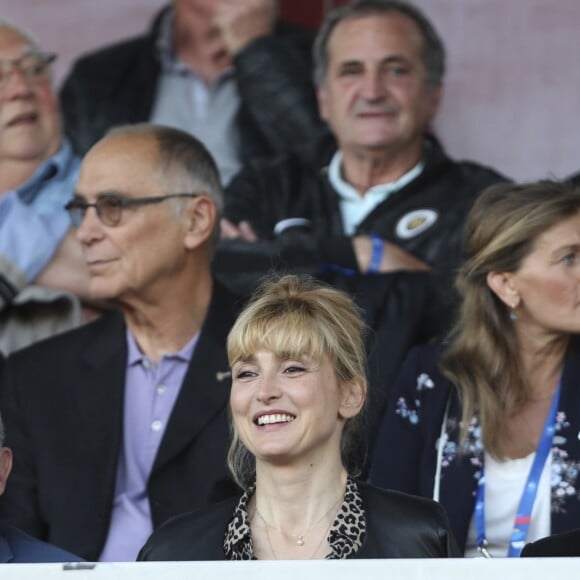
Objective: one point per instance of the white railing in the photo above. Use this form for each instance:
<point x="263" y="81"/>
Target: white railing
<point x="468" y="569"/>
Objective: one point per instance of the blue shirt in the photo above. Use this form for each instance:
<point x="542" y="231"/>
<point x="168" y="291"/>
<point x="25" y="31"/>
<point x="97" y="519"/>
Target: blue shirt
<point x="33" y="221"/>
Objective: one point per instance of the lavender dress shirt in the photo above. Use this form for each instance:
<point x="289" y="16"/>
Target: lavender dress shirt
<point x="150" y="394"/>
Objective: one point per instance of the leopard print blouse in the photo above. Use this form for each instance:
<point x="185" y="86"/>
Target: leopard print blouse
<point x="345" y="537"/>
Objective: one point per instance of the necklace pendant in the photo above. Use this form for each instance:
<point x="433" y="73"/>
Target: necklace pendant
<point x="300" y="540"/>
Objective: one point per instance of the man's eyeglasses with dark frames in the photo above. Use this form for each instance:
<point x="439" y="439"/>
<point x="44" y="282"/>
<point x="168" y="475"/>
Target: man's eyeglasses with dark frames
<point x="33" y="65"/>
<point x="109" y="208"/>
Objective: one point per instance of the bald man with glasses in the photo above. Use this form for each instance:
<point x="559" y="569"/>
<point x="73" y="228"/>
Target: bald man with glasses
<point x="109" y="208"/>
<point x="122" y="423"/>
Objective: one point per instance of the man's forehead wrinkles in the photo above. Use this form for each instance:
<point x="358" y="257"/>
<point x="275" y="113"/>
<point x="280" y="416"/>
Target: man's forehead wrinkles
<point x="18" y="50"/>
<point x="14" y="53"/>
<point x="11" y="40"/>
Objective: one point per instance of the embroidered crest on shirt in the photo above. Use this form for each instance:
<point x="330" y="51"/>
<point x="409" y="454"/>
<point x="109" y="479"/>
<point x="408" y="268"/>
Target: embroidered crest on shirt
<point x="415" y="223"/>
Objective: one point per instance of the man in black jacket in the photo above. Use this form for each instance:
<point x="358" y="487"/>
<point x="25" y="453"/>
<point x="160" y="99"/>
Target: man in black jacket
<point x="122" y="423"/>
<point x="383" y="196"/>
<point x="227" y="71"/>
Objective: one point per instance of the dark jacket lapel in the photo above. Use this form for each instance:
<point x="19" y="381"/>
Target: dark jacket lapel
<point x="100" y="393"/>
<point x="206" y="386"/>
<point x="566" y="446"/>
<point x="459" y="479"/>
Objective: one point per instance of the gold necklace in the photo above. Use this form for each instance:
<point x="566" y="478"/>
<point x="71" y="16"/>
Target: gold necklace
<point x="300" y="537"/>
<point x="300" y="541"/>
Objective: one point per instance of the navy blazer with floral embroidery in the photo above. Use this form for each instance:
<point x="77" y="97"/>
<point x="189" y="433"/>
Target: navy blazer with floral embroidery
<point x="405" y="452"/>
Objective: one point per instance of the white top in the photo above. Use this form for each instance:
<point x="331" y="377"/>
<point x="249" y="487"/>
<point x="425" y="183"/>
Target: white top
<point x="504" y="484"/>
<point x="354" y="207"/>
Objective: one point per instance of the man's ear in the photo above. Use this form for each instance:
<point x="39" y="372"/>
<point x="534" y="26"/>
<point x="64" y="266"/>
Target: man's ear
<point x="200" y="217"/>
<point x="354" y="395"/>
<point x="502" y="285"/>
<point x="5" y="467"/>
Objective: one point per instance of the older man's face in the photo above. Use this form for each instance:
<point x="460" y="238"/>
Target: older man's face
<point x="138" y="258"/>
<point x="30" y="126"/>
<point x="376" y="95"/>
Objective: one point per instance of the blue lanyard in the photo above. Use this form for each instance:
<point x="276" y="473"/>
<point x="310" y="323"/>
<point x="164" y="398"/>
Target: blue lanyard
<point x="524" y="513"/>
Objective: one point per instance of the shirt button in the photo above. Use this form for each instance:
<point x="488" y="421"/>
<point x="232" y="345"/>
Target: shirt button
<point x="161" y="389"/>
<point x="156" y="425"/>
<point x="146" y="363"/>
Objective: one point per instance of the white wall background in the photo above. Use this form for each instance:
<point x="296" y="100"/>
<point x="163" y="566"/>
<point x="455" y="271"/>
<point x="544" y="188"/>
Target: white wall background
<point x="512" y="93"/>
<point x="512" y="96"/>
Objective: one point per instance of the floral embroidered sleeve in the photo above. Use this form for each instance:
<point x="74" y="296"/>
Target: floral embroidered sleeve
<point x="565" y="469"/>
<point x="402" y="441"/>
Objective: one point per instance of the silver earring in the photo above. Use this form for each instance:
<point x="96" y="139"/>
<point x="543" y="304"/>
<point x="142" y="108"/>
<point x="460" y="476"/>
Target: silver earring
<point x="513" y="315"/>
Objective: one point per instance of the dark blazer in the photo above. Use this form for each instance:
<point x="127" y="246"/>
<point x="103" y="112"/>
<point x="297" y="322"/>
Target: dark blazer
<point x="398" y="526"/>
<point x="63" y="408"/>
<point x="16" y="547"/>
<point x="567" y="544"/>
<point x="405" y="453"/>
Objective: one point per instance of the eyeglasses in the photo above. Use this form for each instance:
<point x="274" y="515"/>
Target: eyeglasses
<point x="33" y="65"/>
<point x="109" y="208"/>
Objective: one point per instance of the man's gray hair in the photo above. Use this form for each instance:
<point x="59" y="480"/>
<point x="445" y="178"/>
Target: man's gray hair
<point x="186" y="166"/>
<point x="433" y="49"/>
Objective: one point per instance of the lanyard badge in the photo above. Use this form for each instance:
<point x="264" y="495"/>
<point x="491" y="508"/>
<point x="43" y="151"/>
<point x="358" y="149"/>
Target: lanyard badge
<point x="524" y="513"/>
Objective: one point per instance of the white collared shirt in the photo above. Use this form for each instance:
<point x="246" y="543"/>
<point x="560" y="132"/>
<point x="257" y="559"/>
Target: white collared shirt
<point x="355" y="207"/>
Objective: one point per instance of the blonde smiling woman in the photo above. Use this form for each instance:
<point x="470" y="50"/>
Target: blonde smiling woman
<point x="298" y="391"/>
